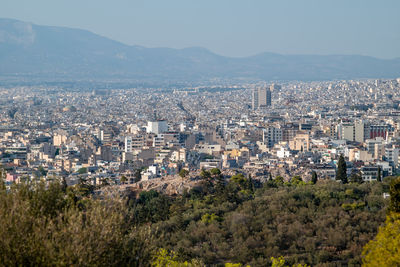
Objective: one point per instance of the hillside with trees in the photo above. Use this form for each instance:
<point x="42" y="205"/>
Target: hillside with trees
<point x="223" y="221"/>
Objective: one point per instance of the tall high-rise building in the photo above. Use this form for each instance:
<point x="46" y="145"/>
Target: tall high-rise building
<point x="261" y="97"/>
<point x="255" y="99"/>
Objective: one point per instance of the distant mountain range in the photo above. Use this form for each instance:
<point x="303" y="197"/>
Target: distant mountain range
<point x="29" y="50"/>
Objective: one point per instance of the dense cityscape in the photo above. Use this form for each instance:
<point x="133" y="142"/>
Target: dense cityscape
<point x="129" y="136"/>
<point x="200" y="133"/>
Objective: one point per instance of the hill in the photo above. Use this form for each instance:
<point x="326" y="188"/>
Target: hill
<point x="28" y="50"/>
<point x="221" y="220"/>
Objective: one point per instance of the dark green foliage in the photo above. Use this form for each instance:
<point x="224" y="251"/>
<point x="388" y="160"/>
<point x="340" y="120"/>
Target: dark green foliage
<point x="42" y="171"/>
<point x="82" y="170"/>
<point x="296" y="180"/>
<point x="279" y="180"/>
<point x="2" y="181"/>
<point x="341" y="174"/>
<point x="183" y="173"/>
<point x="323" y="224"/>
<point x="205" y="175"/>
<point x="45" y="225"/>
<point x="215" y="172"/>
<point x="394" y="205"/>
<point x="314" y="177"/>
<point x="241" y="182"/>
<point x="379" y="178"/>
<point x="64" y="185"/>
<point x="151" y="206"/>
<point x="138" y="175"/>
<point x="207" y="156"/>
<point x="356" y="177"/>
<point x="123" y="179"/>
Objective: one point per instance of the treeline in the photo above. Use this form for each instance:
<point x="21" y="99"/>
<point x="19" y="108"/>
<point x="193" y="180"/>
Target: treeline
<point x="222" y="220"/>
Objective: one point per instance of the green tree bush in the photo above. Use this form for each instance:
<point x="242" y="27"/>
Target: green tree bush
<point x="44" y="225"/>
<point x="314" y="177"/>
<point x="384" y="249"/>
<point x="341" y="173"/>
<point x="183" y="173"/>
<point x="82" y="170"/>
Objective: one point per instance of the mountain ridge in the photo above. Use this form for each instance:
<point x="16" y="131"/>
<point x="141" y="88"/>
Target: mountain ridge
<point x="45" y="51"/>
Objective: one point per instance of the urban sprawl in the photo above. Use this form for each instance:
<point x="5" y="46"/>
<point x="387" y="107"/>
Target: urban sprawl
<point x="144" y="138"/>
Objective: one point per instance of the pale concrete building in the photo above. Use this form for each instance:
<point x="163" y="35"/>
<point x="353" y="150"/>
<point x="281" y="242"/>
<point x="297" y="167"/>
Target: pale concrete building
<point x="301" y="142"/>
<point x="157" y="127"/>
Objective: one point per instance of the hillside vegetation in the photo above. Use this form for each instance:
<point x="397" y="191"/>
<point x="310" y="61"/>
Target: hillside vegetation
<point x="221" y="221"/>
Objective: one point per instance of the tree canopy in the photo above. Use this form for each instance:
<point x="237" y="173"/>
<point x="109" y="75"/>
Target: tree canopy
<point x="231" y="221"/>
<point x="48" y="226"/>
<point x="183" y="173"/>
<point x="341" y="173"/>
<point x="384" y="249"/>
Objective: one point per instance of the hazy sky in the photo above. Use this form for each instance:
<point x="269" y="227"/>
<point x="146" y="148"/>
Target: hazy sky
<point x="229" y="27"/>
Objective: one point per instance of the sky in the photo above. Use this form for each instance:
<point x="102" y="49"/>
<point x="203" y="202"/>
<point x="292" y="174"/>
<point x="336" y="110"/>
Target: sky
<point x="234" y="28"/>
